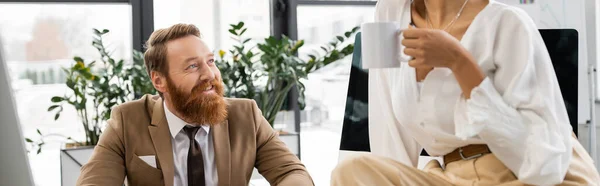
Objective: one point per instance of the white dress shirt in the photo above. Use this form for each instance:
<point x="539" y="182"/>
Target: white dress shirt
<point x="518" y="110"/>
<point x="181" y="145"/>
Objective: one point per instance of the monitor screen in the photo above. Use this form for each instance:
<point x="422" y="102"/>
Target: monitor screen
<point x="13" y="158"/>
<point x="355" y="129"/>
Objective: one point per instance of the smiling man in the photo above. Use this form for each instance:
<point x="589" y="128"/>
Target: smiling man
<point x="190" y="134"/>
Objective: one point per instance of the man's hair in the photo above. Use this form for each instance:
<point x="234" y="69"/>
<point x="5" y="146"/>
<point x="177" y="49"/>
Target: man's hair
<point x="155" y="56"/>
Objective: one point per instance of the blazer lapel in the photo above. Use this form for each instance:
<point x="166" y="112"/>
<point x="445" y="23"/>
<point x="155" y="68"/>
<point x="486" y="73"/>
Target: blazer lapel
<point x="222" y="152"/>
<point x="161" y="138"/>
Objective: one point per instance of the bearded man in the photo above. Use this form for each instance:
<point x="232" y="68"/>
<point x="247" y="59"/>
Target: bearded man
<point x="189" y="134"/>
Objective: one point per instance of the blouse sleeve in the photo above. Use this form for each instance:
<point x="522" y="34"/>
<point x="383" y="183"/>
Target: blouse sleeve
<point x="518" y="109"/>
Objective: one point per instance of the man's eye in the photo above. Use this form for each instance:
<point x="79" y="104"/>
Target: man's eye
<point x="192" y="66"/>
<point x="211" y="61"/>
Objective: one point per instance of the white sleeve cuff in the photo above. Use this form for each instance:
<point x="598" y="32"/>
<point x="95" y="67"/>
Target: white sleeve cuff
<point x="485" y="107"/>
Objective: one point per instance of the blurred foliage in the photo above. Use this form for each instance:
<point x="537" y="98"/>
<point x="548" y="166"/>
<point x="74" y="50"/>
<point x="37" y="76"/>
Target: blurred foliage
<point x="276" y="63"/>
<point x="96" y="87"/>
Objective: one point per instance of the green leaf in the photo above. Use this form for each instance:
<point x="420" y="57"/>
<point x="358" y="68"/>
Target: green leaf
<point x="78" y="59"/>
<point x="355" y="29"/>
<point x="244" y="30"/>
<point x="324" y="49"/>
<point x="271" y="40"/>
<point x="57" y="99"/>
<point x="340" y="38"/>
<point x="119" y="67"/>
<point x="86" y="74"/>
<point x="245" y="41"/>
<point x="312" y="57"/>
<point x="232" y="32"/>
<point x="38" y="131"/>
<point x="39" y="150"/>
<point x="65" y="70"/>
<point x="28" y="140"/>
<point x="348" y="34"/>
<point x="56" y="116"/>
<point x="240" y="25"/>
<point x="78" y="92"/>
<point x="52" y="107"/>
<point x="106" y="115"/>
<point x="70" y="83"/>
<point x="334" y="44"/>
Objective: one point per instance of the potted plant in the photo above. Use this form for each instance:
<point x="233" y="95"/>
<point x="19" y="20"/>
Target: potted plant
<point x="268" y="71"/>
<point x="94" y="88"/>
<point x="276" y="64"/>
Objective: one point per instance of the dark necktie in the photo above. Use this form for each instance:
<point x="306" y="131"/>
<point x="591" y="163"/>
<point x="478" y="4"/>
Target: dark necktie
<point x="195" y="164"/>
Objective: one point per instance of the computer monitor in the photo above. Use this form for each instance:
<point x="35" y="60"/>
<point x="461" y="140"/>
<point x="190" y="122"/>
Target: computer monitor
<point x="14" y="164"/>
<point x="562" y="44"/>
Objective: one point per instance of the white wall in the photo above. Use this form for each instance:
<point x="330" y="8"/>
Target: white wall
<point x="592" y="22"/>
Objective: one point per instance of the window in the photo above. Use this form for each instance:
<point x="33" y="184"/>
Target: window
<point x="39" y="39"/>
<point x="338" y="27"/>
<point x="213" y="18"/>
<point x="327" y="87"/>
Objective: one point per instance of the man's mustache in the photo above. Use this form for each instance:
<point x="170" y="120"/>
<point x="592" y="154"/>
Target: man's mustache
<point x="201" y="86"/>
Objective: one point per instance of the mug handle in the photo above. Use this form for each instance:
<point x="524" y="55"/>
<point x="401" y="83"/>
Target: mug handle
<point x="403" y="57"/>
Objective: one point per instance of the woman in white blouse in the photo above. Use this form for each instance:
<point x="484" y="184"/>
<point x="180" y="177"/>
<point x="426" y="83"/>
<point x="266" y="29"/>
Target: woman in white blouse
<point x="480" y="93"/>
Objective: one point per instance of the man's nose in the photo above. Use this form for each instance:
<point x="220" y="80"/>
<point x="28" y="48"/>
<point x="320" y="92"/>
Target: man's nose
<point x="206" y="73"/>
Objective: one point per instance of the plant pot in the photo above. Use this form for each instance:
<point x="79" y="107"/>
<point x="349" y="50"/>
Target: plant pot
<point x="288" y="131"/>
<point x="291" y="140"/>
<point x="282" y="132"/>
<point x="72" y="157"/>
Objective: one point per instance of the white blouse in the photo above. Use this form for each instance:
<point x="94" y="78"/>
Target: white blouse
<point x="518" y="110"/>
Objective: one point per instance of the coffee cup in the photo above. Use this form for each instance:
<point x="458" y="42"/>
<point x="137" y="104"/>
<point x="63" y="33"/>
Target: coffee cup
<point x="381" y="45"/>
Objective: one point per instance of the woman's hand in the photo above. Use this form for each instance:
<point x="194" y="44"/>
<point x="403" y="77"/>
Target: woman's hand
<point x="436" y="48"/>
<point x="433" y="48"/>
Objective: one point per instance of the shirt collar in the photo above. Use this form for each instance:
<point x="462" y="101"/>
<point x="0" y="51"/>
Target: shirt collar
<point x="176" y="124"/>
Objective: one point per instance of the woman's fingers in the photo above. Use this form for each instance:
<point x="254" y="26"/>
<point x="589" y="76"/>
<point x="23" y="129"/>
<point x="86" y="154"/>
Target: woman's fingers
<point x="413" y="33"/>
<point x="415" y="53"/>
<point x="417" y="62"/>
<point x="411" y="43"/>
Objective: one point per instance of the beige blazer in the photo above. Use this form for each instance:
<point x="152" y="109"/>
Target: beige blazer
<point x="139" y="128"/>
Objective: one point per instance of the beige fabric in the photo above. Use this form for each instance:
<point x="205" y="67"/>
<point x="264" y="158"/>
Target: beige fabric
<point x="139" y="128"/>
<point x="369" y="170"/>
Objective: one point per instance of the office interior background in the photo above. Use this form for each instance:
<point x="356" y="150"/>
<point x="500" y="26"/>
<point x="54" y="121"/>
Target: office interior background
<point x="42" y="36"/>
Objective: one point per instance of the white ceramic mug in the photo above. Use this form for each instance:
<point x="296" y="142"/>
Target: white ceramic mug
<point x="381" y="45"/>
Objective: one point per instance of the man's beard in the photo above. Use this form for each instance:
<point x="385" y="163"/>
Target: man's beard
<point x="198" y="108"/>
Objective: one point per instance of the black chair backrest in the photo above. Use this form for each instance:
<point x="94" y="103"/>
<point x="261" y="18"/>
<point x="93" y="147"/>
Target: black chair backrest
<point x="562" y="44"/>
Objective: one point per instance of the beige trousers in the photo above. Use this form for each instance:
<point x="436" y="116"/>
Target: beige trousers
<point x="371" y="170"/>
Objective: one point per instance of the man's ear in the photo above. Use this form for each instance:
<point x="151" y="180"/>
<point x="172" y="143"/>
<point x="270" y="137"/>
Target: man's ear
<point x="159" y="81"/>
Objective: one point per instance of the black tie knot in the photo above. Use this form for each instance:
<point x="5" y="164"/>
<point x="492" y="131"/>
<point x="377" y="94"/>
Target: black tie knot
<point x="190" y="131"/>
